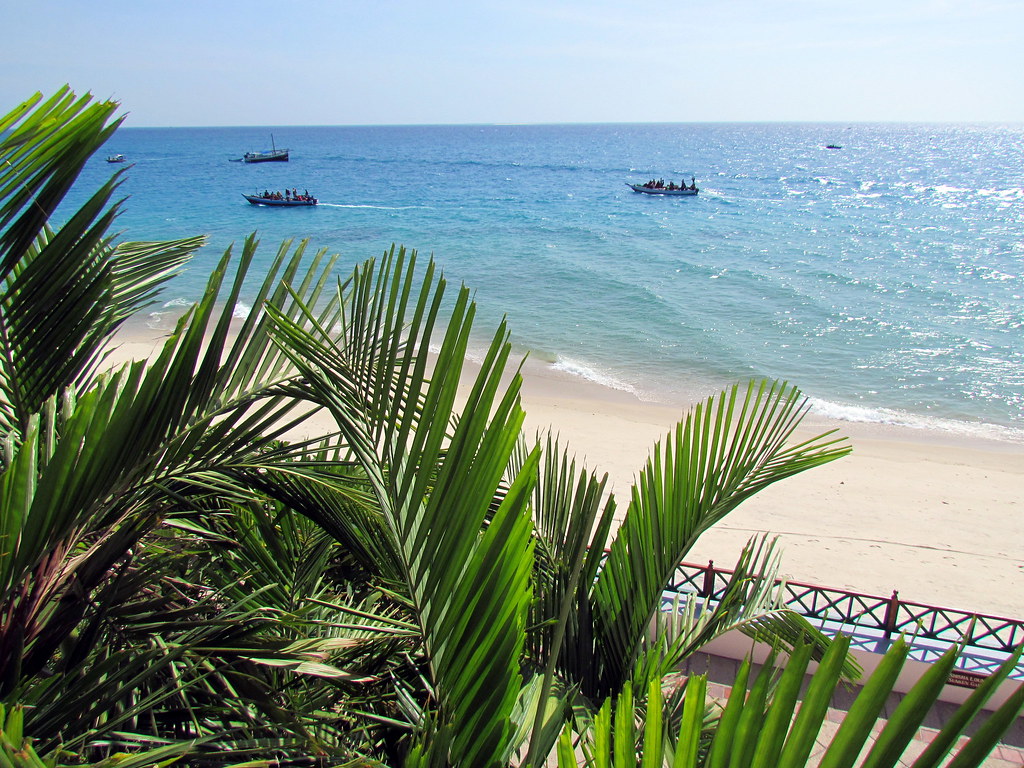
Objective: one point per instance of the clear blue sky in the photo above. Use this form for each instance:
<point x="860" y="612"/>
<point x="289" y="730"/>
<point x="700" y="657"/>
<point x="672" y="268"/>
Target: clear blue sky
<point x="342" y="62"/>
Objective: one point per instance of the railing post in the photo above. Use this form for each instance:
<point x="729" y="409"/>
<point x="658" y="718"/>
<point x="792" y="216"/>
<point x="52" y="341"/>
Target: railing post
<point x="890" y="614"/>
<point x="709" y="580"/>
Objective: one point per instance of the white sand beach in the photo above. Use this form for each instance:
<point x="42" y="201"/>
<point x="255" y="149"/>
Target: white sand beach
<point x="936" y="517"/>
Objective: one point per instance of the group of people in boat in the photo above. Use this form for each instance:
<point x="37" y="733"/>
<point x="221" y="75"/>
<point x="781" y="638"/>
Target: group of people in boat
<point x="289" y="194"/>
<point x="660" y="184"/>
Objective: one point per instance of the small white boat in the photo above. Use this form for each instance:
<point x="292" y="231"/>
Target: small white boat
<point x="115" y="159"/>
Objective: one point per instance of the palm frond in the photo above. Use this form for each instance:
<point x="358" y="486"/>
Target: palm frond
<point x="43" y="147"/>
<point x="570" y="528"/>
<point x="63" y="292"/>
<point x="775" y="720"/>
<point x="435" y="487"/>
<point x="726" y="450"/>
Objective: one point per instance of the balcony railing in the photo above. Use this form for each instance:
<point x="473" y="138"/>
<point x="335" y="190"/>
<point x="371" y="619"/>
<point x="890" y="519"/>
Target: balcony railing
<point x="873" y="621"/>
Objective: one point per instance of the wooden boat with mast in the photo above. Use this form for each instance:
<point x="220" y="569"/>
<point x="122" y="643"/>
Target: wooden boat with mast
<point x="273" y="155"/>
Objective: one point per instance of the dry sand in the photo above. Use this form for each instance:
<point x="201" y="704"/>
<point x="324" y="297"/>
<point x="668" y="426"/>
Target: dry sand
<point x="936" y="517"/>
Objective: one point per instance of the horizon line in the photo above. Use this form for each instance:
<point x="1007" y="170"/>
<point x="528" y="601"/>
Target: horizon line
<point x="1006" y="123"/>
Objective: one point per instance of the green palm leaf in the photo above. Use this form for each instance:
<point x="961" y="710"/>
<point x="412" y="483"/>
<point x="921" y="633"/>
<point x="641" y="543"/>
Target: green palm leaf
<point x="469" y="590"/>
<point x="772" y="724"/>
<point x="64" y="293"/>
<point x="45" y="144"/>
<point x="726" y="450"/>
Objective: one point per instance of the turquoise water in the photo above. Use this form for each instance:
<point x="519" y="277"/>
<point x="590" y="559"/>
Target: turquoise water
<point x="886" y="278"/>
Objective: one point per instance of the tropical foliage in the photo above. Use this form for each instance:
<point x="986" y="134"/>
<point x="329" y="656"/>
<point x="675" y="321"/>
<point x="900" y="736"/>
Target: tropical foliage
<point x="418" y="584"/>
<point x="771" y="725"/>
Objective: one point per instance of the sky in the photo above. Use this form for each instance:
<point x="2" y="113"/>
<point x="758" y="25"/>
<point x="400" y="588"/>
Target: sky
<point x="388" y="62"/>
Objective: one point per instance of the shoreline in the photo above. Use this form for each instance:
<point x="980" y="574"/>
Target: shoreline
<point x="935" y="516"/>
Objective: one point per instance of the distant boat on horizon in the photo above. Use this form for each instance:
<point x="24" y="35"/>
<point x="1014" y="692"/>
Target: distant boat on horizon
<point x="833" y="146"/>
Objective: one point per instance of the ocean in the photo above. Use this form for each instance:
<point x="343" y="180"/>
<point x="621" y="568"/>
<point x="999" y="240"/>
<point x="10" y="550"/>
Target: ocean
<point x="884" y="278"/>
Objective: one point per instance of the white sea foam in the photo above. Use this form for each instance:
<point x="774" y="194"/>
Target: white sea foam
<point x="584" y="371"/>
<point x="175" y="307"/>
<point x="1014" y="193"/>
<point x="155" y="320"/>
<point x="163" y="318"/>
<point x="474" y="355"/>
<point x="374" y="207"/>
<point x="890" y="417"/>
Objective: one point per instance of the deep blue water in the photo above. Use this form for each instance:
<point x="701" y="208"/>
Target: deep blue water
<point x="886" y="278"/>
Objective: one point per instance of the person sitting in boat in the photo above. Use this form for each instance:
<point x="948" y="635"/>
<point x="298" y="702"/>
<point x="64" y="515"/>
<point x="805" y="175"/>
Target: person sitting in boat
<point x="693" y="182"/>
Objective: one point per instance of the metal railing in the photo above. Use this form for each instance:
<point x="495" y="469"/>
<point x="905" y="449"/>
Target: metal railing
<point x="873" y="621"/>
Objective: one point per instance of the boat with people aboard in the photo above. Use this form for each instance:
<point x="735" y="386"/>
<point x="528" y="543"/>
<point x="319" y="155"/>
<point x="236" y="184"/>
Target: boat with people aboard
<point x="659" y="187"/>
<point x="267" y="155"/>
<point x="290" y="199"/>
<point x="833" y="146"/>
<point x="115" y="159"/>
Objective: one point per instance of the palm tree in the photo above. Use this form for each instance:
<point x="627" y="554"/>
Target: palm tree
<point x="96" y="636"/>
<point x="420" y="585"/>
<point x="459" y="497"/>
<point x="519" y="622"/>
<point x="771" y="724"/>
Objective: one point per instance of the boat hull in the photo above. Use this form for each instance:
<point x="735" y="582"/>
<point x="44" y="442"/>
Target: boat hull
<point x="663" y="191"/>
<point x="274" y="156"/>
<point x="271" y="202"/>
